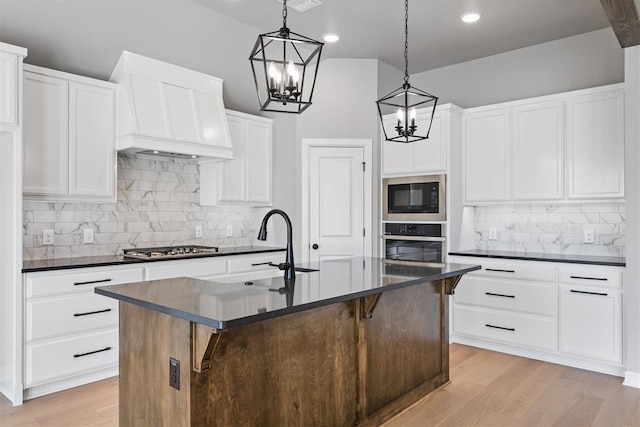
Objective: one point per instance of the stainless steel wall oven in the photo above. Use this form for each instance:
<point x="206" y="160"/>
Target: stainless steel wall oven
<point x="414" y="244"/>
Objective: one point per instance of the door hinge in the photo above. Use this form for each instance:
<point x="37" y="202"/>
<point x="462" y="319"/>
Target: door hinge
<point x="364" y="166"/>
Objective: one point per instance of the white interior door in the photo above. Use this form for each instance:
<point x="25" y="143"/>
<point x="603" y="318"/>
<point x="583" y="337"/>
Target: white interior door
<point x="336" y="202"/>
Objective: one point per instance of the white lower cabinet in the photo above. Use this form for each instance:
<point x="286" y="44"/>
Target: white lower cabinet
<point x="71" y="333"/>
<point x="558" y="312"/>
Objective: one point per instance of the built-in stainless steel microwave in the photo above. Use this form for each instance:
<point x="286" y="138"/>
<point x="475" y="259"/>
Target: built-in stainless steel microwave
<point x="414" y="198"/>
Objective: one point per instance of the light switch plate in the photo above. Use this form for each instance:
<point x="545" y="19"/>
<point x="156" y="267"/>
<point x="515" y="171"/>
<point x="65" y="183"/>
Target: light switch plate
<point x="88" y="235"/>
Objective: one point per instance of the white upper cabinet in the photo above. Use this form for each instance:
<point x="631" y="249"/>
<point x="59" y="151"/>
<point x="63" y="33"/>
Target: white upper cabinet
<point x="246" y="179"/>
<point x="487" y="154"/>
<point x="168" y="108"/>
<point x="69" y="137"/>
<point x="8" y="88"/>
<point x="563" y="147"/>
<point x="595" y="145"/>
<point x="425" y="156"/>
<point x="537" y="146"/>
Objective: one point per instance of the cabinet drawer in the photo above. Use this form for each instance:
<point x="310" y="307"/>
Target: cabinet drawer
<point x="511" y="295"/>
<point x="597" y="276"/>
<point x="54" y="360"/>
<point x="246" y="263"/>
<point x="523" y="330"/>
<point x="521" y="270"/>
<point x="73" y="281"/>
<point x="186" y="268"/>
<point x="69" y="314"/>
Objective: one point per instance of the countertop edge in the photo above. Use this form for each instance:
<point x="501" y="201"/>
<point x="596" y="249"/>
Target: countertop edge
<point x="118" y="260"/>
<point x="541" y="258"/>
<point x="229" y="324"/>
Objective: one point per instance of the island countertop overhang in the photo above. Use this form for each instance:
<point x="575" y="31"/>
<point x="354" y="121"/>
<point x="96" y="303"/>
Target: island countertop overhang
<point x="228" y="305"/>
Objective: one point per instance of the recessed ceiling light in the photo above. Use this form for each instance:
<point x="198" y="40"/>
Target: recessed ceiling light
<point x="470" y="17"/>
<point x="331" y="37"/>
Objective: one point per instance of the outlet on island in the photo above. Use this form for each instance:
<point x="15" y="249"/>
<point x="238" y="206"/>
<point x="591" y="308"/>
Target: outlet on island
<point x="229" y="230"/>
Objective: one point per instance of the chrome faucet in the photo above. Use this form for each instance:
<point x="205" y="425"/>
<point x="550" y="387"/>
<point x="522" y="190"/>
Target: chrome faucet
<point x="287" y="266"/>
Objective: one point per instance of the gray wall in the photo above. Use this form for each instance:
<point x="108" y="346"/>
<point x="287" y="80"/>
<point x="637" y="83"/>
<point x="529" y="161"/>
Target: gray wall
<point x="87" y="37"/>
<point x="587" y="60"/>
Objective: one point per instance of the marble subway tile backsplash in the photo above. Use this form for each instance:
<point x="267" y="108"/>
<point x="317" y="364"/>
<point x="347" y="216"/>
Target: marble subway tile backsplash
<point x="157" y="205"/>
<point x="552" y="228"/>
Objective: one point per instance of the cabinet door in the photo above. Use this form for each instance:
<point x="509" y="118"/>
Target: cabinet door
<point x="430" y="155"/>
<point x="590" y="322"/>
<point x="258" y="162"/>
<point x="396" y="156"/>
<point x="232" y="184"/>
<point x="91" y="141"/>
<point x="595" y="145"/>
<point x="8" y="88"/>
<point x="537" y="167"/>
<point x="487" y="156"/>
<point x="45" y="135"/>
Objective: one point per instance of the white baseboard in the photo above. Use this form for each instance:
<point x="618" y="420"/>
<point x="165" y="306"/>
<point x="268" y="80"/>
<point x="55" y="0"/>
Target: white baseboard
<point x="632" y="379"/>
<point x="63" y="384"/>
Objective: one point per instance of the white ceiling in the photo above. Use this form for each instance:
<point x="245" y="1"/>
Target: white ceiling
<point x="437" y="37"/>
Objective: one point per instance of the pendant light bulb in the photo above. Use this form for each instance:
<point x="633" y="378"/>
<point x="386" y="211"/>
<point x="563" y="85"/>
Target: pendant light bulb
<point x="400" y="116"/>
<point x="272" y="70"/>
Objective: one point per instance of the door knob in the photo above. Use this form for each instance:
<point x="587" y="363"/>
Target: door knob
<point x="314" y="246"/>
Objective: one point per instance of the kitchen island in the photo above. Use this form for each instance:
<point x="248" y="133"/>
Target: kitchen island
<point x="354" y="342"/>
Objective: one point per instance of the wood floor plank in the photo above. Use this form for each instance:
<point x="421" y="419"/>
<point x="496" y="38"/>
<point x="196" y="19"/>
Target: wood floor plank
<point x="486" y="389"/>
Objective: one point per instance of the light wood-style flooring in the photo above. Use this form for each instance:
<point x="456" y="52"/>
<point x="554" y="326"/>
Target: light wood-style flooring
<point x="486" y="389"/>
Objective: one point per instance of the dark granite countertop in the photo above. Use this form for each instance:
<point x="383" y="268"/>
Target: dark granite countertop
<point x="100" y="261"/>
<point x="575" y="259"/>
<point x="227" y="305"/>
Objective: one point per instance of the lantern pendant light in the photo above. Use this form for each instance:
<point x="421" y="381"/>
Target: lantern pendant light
<point x="402" y="123"/>
<point x="285" y="67"/>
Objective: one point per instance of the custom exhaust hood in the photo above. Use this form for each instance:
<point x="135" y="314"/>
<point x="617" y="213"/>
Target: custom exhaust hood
<point x="167" y="110"/>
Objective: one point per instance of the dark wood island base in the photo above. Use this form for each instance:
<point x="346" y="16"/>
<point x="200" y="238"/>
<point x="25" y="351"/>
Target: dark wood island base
<point x="354" y="362"/>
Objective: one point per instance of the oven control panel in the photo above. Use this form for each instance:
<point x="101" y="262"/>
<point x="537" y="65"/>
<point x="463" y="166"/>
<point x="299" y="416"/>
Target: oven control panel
<point x="405" y="229"/>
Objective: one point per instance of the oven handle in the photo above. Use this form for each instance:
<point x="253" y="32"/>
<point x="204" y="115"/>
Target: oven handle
<point x="416" y="238"/>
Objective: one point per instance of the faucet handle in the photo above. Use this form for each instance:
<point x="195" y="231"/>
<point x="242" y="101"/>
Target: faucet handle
<point x="284" y="265"/>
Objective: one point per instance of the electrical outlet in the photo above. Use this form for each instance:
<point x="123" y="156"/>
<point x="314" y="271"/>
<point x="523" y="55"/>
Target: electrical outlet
<point x="88" y="235"/>
<point x="493" y="234"/>
<point x="47" y="237"/>
<point x="174" y="373"/>
<point x="229" y="230"/>
<point x="589" y="236"/>
<point x="198" y="232"/>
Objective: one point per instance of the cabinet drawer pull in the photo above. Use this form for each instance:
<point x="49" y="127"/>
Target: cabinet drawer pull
<point x="499" y="295"/>
<point x="602" y="294"/>
<point x="261" y="263"/>
<point x="92" y="352"/>
<point x="500" y="327"/>
<point x="603" y="279"/>
<point x="106" y="310"/>
<point x="500" y="270"/>
<point x="91" y="282"/>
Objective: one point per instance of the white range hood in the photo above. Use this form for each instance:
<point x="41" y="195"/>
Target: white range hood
<point x="164" y="109"/>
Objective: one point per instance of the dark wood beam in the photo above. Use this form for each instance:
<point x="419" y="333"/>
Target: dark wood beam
<point x="623" y="16"/>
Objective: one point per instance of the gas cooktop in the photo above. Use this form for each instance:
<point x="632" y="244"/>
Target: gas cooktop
<point x="169" y="252"/>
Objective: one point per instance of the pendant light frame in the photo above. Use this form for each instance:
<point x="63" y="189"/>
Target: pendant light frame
<point x="406" y="100"/>
<point x="277" y="59"/>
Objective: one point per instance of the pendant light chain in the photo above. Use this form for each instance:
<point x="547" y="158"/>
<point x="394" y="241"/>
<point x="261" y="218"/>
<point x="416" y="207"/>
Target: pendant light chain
<point x="406" y="42"/>
<point x="284" y="14"/>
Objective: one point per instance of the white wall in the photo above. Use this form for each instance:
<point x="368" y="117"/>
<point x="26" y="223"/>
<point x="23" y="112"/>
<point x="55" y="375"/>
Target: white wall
<point x="87" y="37"/>
<point x="583" y="61"/>
<point x="631" y="321"/>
